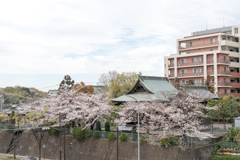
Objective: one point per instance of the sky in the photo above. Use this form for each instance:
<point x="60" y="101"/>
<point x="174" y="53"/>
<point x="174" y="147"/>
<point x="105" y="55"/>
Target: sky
<point x="41" y="41"/>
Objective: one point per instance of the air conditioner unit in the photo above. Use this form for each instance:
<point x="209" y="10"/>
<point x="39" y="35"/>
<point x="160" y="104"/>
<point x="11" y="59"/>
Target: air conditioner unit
<point x="178" y="65"/>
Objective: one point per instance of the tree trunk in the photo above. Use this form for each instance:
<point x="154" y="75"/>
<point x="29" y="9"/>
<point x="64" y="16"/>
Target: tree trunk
<point x="39" y="149"/>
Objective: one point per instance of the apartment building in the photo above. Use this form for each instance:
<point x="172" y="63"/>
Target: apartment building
<point x="212" y="52"/>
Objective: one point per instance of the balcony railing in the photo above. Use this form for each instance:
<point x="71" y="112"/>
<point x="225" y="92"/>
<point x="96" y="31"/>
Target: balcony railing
<point x="225" y="61"/>
<point x="235" y="85"/>
<point x="170" y="65"/>
<point x="236" y="94"/>
<point x="222" y="72"/>
<point x="171" y="75"/>
<point x="190" y="74"/>
<point x="235" y="75"/>
<point x="198" y="45"/>
<point x="219" y="72"/>
<point x="222" y="94"/>
<point x="190" y="63"/>
<point x="224" y="83"/>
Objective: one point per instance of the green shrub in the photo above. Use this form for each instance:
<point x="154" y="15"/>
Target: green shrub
<point x="123" y="137"/>
<point x="134" y="137"/>
<point x="53" y="131"/>
<point x="10" y="126"/>
<point x="169" y="140"/>
<point x="80" y="134"/>
<point x="134" y="129"/>
<point x="96" y="134"/>
<point x="111" y="136"/>
<point x="233" y="134"/>
<point x="143" y="140"/>
<point x="73" y="124"/>
<point x="107" y="126"/>
<point x="98" y="126"/>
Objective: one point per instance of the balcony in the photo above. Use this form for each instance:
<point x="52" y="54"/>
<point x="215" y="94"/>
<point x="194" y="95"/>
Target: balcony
<point x="170" y="65"/>
<point x="229" y="43"/>
<point x="198" y="45"/>
<point x="236" y="94"/>
<point x="222" y="94"/>
<point x="171" y="75"/>
<point x="190" y="64"/>
<point x="190" y="74"/>
<point x="235" y="75"/>
<point x="235" y="85"/>
<point x="224" y="84"/>
<point x="222" y="72"/>
<point x="224" y="61"/>
<point x="235" y="64"/>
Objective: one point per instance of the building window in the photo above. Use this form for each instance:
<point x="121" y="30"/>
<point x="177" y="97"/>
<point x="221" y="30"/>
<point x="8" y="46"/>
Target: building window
<point x="236" y="30"/>
<point x="224" y="58"/>
<point x="213" y="69"/>
<point x="212" y="40"/>
<point x="173" y="71"/>
<point x="183" y="81"/>
<point x="201" y="70"/>
<point x="194" y="81"/>
<point x="200" y="59"/>
<point x="172" y="61"/>
<point x="224" y="80"/>
<point x="197" y="42"/>
<point x="190" y="52"/>
<point x="213" y="80"/>
<point x="201" y="81"/>
<point x="194" y="70"/>
<point x="183" y="61"/>
<point x="189" y="44"/>
<point x="212" y="58"/>
<point x="224" y="69"/>
<point x="225" y="91"/>
<point x="184" y="71"/>
<point x="194" y="60"/>
<point x="212" y="50"/>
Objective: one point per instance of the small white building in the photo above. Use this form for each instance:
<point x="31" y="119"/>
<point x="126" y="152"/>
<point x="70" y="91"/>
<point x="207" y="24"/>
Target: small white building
<point x="237" y="122"/>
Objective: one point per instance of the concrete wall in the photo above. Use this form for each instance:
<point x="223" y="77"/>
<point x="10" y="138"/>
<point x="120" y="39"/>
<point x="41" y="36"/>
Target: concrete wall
<point x="92" y="149"/>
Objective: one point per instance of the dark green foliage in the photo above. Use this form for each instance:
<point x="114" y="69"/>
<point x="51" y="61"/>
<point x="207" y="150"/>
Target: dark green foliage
<point x="169" y="140"/>
<point x="134" y="129"/>
<point x="73" y="124"/>
<point x="111" y="136"/>
<point x="232" y="134"/>
<point x="98" y="126"/>
<point x="123" y="137"/>
<point x="67" y="83"/>
<point x="53" y="131"/>
<point x="96" y="134"/>
<point x="10" y="126"/>
<point x="107" y="126"/>
<point x="143" y="140"/>
<point x="16" y="94"/>
<point x="225" y="157"/>
<point x="80" y="134"/>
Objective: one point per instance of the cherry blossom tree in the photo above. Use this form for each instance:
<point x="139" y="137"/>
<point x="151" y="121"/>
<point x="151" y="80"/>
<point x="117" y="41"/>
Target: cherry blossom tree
<point x="180" y="116"/>
<point x="72" y="105"/>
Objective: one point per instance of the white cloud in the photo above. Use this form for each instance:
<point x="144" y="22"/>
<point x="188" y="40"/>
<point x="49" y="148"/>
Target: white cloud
<point x="79" y="37"/>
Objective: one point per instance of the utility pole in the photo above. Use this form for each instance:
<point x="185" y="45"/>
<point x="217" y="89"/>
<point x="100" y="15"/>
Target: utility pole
<point x="2" y="101"/>
<point x="60" y="156"/>
<point x="64" y="144"/>
<point x="117" y="143"/>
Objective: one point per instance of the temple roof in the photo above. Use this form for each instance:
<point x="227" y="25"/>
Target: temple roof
<point x="149" y="88"/>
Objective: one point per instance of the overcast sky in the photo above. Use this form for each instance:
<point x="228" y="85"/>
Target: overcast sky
<point x="41" y="41"/>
